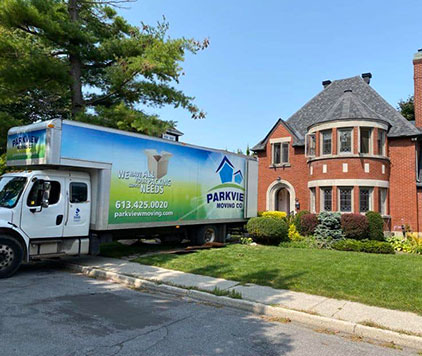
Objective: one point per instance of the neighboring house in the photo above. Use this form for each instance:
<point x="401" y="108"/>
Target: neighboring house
<point x="346" y="150"/>
<point x="172" y="134"/>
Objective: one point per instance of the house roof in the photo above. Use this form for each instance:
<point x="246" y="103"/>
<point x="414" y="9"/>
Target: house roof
<point x="333" y="100"/>
<point x="174" y="131"/>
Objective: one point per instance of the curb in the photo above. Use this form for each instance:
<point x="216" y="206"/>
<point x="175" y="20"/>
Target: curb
<point x="382" y="335"/>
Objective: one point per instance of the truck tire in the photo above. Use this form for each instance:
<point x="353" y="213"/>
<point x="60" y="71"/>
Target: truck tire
<point x="209" y="233"/>
<point x="11" y="256"/>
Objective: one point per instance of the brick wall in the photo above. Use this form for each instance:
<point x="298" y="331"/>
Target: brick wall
<point x="295" y="174"/>
<point x="402" y="194"/>
<point x="417" y="63"/>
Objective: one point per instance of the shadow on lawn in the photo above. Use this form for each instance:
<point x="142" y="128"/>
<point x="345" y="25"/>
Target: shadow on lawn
<point x="270" y="277"/>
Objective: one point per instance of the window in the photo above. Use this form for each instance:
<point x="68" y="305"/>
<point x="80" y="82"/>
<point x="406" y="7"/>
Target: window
<point x="326" y="142"/>
<point x="383" y="201"/>
<point x="345" y="199"/>
<point x="312" y="200"/>
<point x="11" y="189"/>
<point x="326" y="197"/>
<point x="345" y="140"/>
<point x="78" y="192"/>
<point x="280" y="153"/>
<point x="35" y="195"/>
<point x="365" y="199"/>
<point x="310" y="145"/>
<point x="381" y="142"/>
<point x="365" y="140"/>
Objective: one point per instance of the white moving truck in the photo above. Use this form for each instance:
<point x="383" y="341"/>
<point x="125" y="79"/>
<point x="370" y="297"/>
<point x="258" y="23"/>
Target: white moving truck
<point x="81" y="185"/>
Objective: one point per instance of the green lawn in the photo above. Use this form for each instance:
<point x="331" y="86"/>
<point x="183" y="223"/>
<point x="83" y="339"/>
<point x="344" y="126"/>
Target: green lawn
<point x="391" y="281"/>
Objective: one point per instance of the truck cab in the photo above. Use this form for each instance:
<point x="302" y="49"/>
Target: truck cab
<point x="43" y="213"/>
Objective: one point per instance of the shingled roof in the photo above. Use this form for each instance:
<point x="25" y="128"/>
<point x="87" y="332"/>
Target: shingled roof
<point x="349" y="98"/>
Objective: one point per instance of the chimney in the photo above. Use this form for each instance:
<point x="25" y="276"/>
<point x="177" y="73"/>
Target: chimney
<point x="417" y="65"/>
<point x="326" y="83"/>
<point x="367" y="77"/>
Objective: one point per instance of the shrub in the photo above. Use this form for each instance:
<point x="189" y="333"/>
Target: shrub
<point x="368" y="246"/>
<point x="354" y="226"/>
<point x="400" y="244"/>
<point x="306" y="242"/>
<point x="268" y="230"/>
<point x="328" y="228"/>
<point x="298" y="217"/>
<point x="274" y="214"/>
<point x="376" y="225"/>
<point x="308" y="223"/>
<point x="294" y="234"/>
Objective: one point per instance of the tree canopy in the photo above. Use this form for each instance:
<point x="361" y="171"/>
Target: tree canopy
<point x="80" y="60"/>
<point x="407" y="108"/>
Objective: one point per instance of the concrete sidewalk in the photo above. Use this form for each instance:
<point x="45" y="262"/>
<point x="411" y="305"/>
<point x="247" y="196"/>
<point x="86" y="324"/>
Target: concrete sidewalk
<point x="403" y="322"/>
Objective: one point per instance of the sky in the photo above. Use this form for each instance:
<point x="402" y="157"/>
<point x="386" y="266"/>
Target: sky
<point x="267" y="58"/>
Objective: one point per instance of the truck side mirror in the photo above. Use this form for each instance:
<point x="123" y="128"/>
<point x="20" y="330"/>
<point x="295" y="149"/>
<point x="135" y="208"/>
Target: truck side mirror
<point x="45" y="194"/>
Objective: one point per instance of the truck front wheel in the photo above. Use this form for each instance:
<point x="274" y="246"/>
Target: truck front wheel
<point x="11" y="256"/>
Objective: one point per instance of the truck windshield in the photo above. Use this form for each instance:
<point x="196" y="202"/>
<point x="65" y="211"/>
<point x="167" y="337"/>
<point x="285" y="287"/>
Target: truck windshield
<point x="10" y="190"/>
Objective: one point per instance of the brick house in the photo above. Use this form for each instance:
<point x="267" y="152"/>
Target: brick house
<point x="346" y="150"/>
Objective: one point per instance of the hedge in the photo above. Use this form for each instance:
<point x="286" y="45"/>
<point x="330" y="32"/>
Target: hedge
<point x="297" y="219"/>
<point x="355" y="226"/>
<point x="308" y="223"/>
<point x="369" y="246"/>
<point x="267" y="230"/>
<point x="274" y="214"/>
<point x="376" y="226"/>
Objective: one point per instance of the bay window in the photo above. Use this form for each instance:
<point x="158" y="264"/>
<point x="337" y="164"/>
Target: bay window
<point x="365" y="199"/>
<point x="381" y="140"/>
<point x="310" y="145"/>
<point x="365" y="140"/>
<point x="326" y="138"/>
<point x="345" y="140"/>
<point x="345" y="199"/>
<point x="383" y="201"/>
<point x="326" y="199"/>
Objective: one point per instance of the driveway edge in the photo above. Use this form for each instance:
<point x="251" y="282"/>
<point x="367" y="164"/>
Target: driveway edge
<point x="325" y="323"/>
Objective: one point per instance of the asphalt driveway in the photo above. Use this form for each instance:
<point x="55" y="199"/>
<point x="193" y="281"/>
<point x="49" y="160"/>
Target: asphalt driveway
<point x="48" y="311"/>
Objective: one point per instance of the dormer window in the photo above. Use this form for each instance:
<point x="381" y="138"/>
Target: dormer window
<point x="365" y="140"/>
<point x="326" y="139"/>
<point x="345" y="140"/>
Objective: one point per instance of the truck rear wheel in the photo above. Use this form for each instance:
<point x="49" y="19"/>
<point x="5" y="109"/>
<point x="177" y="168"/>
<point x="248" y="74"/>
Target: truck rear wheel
<point x="11" y="256"/>
<point x="209" y="233"/>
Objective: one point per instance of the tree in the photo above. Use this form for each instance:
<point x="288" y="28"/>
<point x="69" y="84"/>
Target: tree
<point x="77" y="59"/>
<point x="407" y="108"/>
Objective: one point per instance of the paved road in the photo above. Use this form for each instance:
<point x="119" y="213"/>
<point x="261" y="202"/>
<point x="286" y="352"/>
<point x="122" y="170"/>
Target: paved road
<point x="48" y="311"/>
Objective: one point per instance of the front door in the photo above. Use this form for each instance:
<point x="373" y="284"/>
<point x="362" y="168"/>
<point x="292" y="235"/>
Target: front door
<point x="38" y="221"/>
<point x="79" y="207"/>
<point x="283" y="200"/>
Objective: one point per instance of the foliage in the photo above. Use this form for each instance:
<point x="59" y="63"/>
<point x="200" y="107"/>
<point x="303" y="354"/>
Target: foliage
<point x="376" y="226"/>
<point x="294" y="234"/>
<point x="369" y="246"/>
<point x="245" y="240"/>
<point x="308" y="223"/>
<point x="80" y="60"/>
<point x="268" y="230"/>
<point x="354" y="226"/>
<point x="407" y="108"/>
<point x="274" y="214"/>
<point x="328" y="228"/>
<point x="411" y="243"/>
<point x="297" y="219"/>
<point x="304" y="242"/>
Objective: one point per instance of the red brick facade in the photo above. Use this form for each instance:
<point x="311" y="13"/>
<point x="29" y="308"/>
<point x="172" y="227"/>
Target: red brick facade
<point x="350" y="181"/>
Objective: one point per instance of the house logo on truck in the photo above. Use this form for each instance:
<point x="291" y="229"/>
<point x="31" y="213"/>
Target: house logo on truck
<point x="230" y="193"/>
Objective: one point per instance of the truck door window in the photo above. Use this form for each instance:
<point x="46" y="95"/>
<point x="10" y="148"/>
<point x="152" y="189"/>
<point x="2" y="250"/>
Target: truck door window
<point x="11" y="189"/>
<point x="78" y="192"/>
<point x="35" y="195"/>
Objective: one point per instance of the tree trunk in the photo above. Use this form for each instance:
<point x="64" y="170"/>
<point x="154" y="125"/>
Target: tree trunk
<point x="75" y="66"/>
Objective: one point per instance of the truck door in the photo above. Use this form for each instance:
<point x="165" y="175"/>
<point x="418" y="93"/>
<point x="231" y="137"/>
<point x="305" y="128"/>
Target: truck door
<point x="78" y="212"/>
<point x="48" y="221"/>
